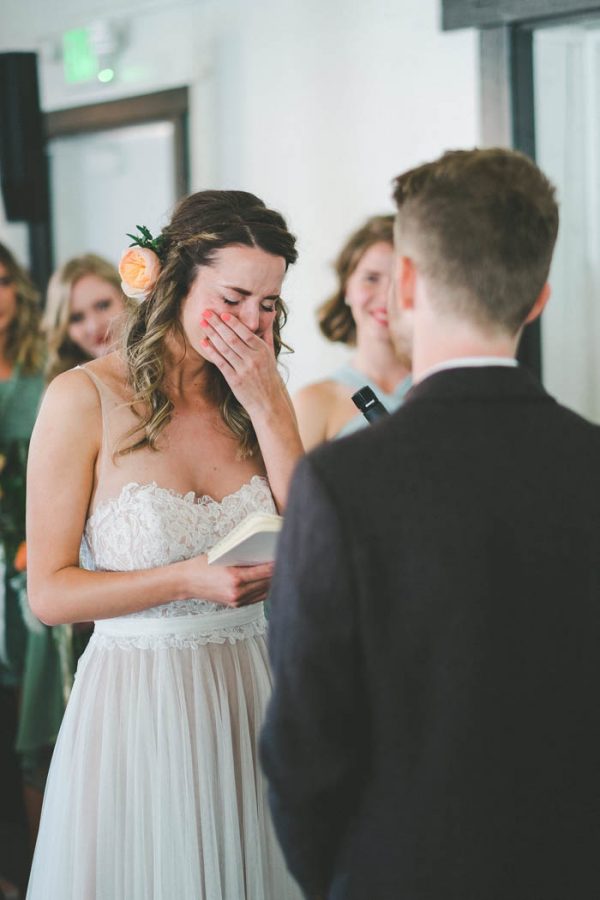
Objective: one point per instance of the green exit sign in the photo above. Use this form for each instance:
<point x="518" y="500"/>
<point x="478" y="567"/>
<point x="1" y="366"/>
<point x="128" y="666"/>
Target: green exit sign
<point x="80" y="62"/>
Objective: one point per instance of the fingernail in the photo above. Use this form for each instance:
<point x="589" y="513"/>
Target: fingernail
<point x="208" y="312"/>
<point x="225" y="317"/>
<point x="205" y="342"/>
<point x="203" y="323"/>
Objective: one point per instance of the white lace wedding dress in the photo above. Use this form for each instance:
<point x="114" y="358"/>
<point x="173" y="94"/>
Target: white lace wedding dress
<point x="155" y="790"/>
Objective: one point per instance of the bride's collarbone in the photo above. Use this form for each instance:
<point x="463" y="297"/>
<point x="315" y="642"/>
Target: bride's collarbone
<point x="194" y="454"/>
<point x="195" y="440"/>
<point x="202" y="420"/>
<point x="199" y="464"/>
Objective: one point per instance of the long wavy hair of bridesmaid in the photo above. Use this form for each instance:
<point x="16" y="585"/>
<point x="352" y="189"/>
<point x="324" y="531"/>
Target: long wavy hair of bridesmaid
<point x="25" y="344"/>
<point x="202" y="224"/>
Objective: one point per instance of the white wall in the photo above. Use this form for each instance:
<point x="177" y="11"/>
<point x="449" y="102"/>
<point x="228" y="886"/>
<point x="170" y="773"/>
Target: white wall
<point x="567" y="100"/>
<point x="312" y="104"/>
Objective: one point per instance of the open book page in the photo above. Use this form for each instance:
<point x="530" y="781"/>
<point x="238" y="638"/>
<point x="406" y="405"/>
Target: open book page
<point x="250" y="543"/>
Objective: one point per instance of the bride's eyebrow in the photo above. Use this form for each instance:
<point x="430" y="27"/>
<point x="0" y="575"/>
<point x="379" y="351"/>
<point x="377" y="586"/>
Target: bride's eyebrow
<point x="245" y="293"/>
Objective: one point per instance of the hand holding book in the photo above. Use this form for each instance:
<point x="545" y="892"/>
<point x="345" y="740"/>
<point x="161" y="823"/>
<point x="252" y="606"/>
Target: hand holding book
<point x="250" y="543"/>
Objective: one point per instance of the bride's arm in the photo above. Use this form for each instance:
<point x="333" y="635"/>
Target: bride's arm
<point x="62" y="458"/>
<point x="278" y="436"/>
<point x="249" y="366"/>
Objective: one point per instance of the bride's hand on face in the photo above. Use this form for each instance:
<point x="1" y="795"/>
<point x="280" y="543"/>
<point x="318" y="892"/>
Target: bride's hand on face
<point x="229" y="585"/>
<point x="246" y="360"/>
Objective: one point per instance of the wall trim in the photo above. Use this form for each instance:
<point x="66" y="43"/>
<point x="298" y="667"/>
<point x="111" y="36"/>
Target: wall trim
<point x="493" y="13"/>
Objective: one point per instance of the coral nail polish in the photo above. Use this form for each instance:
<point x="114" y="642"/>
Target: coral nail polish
<point x="203" y="323"/>
<point x="225" y="317"/>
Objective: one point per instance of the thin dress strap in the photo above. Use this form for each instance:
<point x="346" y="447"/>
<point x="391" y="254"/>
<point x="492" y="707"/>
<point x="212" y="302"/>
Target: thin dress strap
<point x="109" y="403"/>
<point x="102" y="392"/>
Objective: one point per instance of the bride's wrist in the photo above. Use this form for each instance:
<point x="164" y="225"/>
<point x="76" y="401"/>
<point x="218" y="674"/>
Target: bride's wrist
<point x="180" y="580"/>
<point x="272" y="411"/>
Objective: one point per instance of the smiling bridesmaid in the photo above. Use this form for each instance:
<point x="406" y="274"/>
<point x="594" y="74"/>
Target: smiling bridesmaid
<point x="84" y="308"/>
<point x="356" y="315"/>
<point x="140" y="462"/>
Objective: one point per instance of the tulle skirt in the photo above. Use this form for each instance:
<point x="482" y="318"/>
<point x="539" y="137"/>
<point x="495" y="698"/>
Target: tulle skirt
<point x="155" y="790"/>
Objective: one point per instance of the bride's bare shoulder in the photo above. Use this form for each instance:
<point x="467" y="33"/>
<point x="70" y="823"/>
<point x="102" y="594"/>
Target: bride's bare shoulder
<point x="77" y="391"/>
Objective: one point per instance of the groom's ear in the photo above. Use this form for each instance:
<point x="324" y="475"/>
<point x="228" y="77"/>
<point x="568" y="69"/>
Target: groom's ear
<point x="539" y="305"/>
<point x="406" y="276"/>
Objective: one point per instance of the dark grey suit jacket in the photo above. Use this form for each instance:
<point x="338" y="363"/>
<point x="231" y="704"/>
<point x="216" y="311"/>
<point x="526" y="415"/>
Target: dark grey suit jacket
<point x="434" y="731"/>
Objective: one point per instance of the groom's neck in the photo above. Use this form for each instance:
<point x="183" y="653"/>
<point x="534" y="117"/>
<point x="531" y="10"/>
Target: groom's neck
<point x="439" y="339"/>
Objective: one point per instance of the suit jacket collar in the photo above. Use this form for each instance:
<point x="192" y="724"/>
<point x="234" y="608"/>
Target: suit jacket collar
<point x="478" y="383"/>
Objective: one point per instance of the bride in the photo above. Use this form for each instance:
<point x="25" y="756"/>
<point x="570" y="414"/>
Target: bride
<point x="140" y="462"/>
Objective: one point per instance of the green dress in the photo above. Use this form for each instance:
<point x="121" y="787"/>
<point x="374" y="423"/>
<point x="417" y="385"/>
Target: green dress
<point x="31" y="654"/>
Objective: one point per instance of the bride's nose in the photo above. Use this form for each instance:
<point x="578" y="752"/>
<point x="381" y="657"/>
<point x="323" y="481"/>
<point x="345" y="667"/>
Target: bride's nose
<point x="249" y="315"/>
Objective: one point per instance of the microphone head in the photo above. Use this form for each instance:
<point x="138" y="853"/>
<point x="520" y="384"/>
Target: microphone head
<point x="364" y="398"/>
<point x="369" y="404"/>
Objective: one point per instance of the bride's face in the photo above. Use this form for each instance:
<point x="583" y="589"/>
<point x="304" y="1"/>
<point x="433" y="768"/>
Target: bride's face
<point x="243" y="281"/>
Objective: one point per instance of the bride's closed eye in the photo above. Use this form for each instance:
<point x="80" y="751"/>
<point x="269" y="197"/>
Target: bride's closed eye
<point x="269" y="307"/>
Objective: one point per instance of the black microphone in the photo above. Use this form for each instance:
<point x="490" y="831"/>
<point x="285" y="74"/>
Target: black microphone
<point x="370" y="406"/>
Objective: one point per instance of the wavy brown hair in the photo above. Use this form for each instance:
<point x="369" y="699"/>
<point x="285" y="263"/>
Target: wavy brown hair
<point x="25" y="344"/>
<point x="63" y="353"/>
<point x="334" y="315"/>
<point x="202" y="224"/>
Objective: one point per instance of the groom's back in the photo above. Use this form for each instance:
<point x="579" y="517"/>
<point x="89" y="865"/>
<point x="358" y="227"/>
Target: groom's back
<point x="476" y="532"/>
<point x="434" y="732"/>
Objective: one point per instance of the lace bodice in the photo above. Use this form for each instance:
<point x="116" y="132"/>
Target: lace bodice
<point x="147" y="526"/>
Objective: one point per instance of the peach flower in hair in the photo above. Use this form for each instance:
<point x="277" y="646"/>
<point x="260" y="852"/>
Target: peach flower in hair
<point x="139" y="268"/>
<point x="20" y="561"/>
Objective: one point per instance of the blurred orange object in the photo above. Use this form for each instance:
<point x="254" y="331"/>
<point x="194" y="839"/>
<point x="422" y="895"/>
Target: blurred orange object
<point x="20" y="562"/>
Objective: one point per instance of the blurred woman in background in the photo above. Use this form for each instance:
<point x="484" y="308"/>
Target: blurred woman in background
<point x="356" y="314"/>
<point x="83" y="308"/>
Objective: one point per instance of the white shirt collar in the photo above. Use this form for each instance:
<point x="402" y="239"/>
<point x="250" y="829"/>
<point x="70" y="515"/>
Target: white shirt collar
<point x="463" y="362"/>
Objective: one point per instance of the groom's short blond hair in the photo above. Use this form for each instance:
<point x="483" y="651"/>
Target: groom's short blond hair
<point x="482" y="225"/>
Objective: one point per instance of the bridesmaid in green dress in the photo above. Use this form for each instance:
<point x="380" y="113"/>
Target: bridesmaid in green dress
<point x="28" y="655"/>
<point x="83" y="306"/>
<point x="84" y="302"/>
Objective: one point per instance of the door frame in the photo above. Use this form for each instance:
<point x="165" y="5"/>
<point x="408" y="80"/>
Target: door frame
<point x="169" y="105"/>
<point x="507" y="112"/>
<point x="496" y="13"/>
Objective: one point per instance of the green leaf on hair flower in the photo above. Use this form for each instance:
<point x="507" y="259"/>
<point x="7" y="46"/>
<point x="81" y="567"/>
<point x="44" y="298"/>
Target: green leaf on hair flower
<point x="145" y="239"/>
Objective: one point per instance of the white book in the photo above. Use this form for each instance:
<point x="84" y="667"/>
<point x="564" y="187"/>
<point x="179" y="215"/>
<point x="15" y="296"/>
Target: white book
<point x="250" y="543"/>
